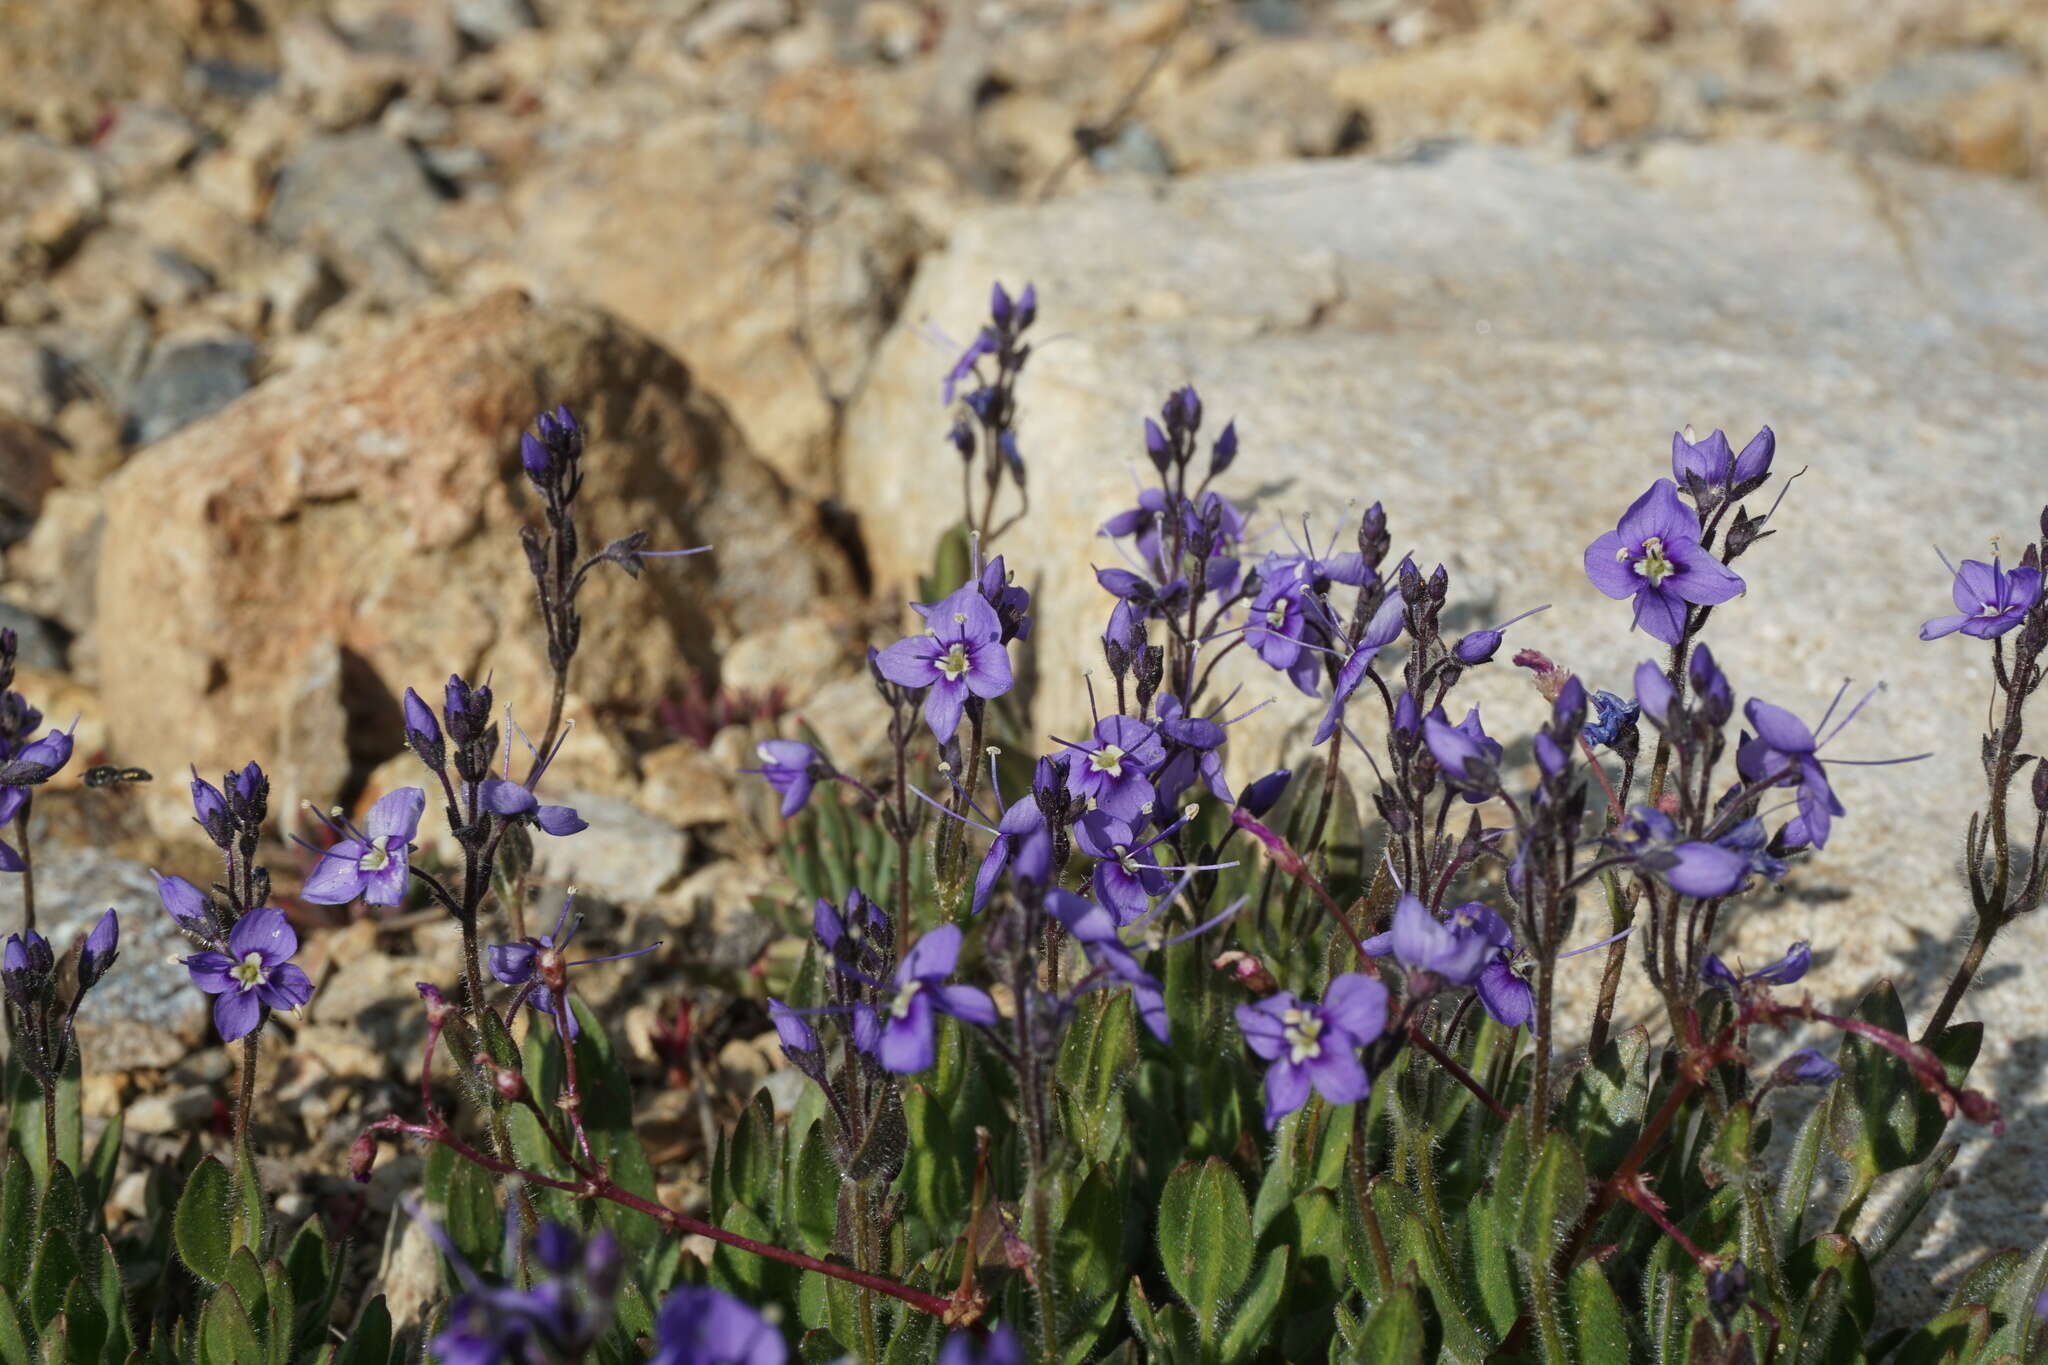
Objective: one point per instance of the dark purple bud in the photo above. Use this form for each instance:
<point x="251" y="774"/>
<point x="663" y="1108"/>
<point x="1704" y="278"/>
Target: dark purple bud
<point x="422" y="731"/>
<point x="557" y="1248"/>
<point x="1156" y="446"/>
<point x="1373" y="538"/>
<point x="210" y="809"/>
<point x="1808" y="1066"/>
<point x="604" y="1265"/>
<point x="506" y="797"/>
<point x="1264" y="793"/>
<point x="540" y="465"/>
<point x="999" y="306"/>
<point x="1477" y="647"/>
<point x="2040" y="785"/>
<point x="1027" y="307"/>
<point x="1407" y="719"/>
<point x="1755" y="460"/>
<point x="1655" y="695"/>
<point x="1569" y="710"/>
<point x="1716" y="699"/>
<point x="101" y="947"/>
<point x="962" y="437"/>
<point x="1550" y="755"/>
<point x="184" y="902"/>
<point x="1224" y="453"/>
<point x="1728" y="1290"/>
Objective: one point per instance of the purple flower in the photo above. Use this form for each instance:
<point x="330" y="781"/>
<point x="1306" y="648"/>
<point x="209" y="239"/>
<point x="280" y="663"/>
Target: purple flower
<point x="375" y="865"/>
<point x="792" y="768"/>
<point x="962" y="656"/>
<point x="908" y="1042"/>
<point x="1282" y="621"/>
<point x="1990" y="598"/>
<point x="1798" y="959"/>
<point x="1655" y="556"/>
<point x="1503" y="993"/>
<point x="1193" y="750"/>
<point x="1022" y="847"/>
<point x="984" y="343"/>
<point x="703" y="1326"/>
<point x="792" y="1030"/>
<point x="1612" y="716"/>
<point x="1456" y="949"/>
<point x="1384" y="628"/>
<point x="1315" y="1046"/>
<point x="999" y="1347"/>
<point x="1691" y="867"/>
<point x="517" y="802"/>
<point x="559" y="1318"/>
<point x="1098" y="932"/>
<point x="37" y="761"/>
<point x="256" y="972"/>
<point x="531" y="963"/>
<point x="1011" y="601"/>
<point x="1113" y="769"/>
<point x="1709" y="464"/>
<point x="1467" y="755"/>
<point x="1127" y="874"/>
<point x="1784" y="753"/>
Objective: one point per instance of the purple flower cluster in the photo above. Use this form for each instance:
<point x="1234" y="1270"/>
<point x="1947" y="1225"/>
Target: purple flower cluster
<point x="1315" y="1047"/>
<point x="27" y="760"/>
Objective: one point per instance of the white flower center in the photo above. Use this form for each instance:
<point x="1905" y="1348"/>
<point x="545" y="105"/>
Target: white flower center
<point x="379" y="856"/>
<point x="249" y="971"/>
<point x="901" y="1008"/>
<point x="1276" y="615"/>
<point x="1653" y="565"/>
<point x="1108" y="759"/>
<point x="955" y="663"/>
<point x="1302" y="1030"/>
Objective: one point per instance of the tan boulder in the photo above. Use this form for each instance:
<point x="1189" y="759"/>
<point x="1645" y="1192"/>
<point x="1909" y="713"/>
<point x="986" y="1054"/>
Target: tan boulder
<point x="361" y="516"/>
<point x="680" y="229"/>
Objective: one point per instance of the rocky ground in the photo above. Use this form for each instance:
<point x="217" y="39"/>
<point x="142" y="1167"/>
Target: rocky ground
<point x="280" y="280"/>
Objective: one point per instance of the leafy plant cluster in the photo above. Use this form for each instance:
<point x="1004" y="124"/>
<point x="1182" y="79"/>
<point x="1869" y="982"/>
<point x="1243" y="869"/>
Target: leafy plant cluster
<point x="1112" y="1052"/>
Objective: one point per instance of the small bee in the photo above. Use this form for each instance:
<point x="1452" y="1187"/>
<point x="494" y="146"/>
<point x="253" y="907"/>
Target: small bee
<point x="109" y="774"/>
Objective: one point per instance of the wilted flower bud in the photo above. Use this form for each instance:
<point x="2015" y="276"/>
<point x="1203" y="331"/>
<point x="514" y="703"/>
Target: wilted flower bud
<point x="1728" y="1290"/>
<point x="362" y="1155"/>
<point x="437" y="1003"/>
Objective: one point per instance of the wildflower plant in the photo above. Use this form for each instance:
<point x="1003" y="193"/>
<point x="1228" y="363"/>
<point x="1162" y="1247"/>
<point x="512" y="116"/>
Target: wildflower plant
<point x="1109" y="1050"/>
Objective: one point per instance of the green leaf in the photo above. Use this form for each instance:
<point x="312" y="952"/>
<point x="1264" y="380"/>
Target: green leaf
<point x="249" y="1210"/>
<point x="315" y="1280"/>
<point x="1097" y="1054"/>
<point x="464" y="1200"/>
<point x="84" y="1323"/>
<point x="1555" y="1197"/>
<point x="14" y="1347"/>
<point x="607" y="1109"/>
<point x="227" y="1336"/>
<point x="97" y="1178"/>
<point x="1205" y="1240"/>
<point x="370" y="1342"/>
<point x="1252" y="1323"/>
<point x="816" y="1187"/>
<point x="1608" y="1101"/>
<point x="50" y="1278"/>
<point x="1393" y="1334"/>
<point x="1090" y="1247"/>
<point x="113" y="1303"/>
<point x="2019" y="1328"/>
<point x="203" y="1225"/>
<point x="17" y="1219"/>
<point x="25" y="1117"/>
<point x="1600" y="1322"/>
<point x="1953" y="1337"/>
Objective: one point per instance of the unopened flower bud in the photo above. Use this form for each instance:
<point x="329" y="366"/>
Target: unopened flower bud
<point x="437" y="1003"/>
<point x="2040" y="785"/>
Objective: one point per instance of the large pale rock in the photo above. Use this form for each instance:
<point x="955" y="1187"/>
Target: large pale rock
<point x="350" y="529"/>
<point x="681" y="229"/>
<point x="1498" y="348"/>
